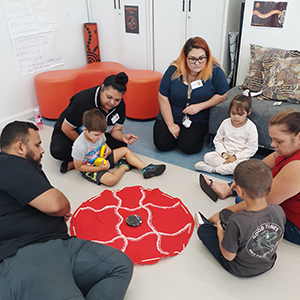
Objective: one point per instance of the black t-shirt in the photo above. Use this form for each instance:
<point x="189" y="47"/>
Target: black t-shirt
<point x="20" y="223"/>
<point x="86" y="100"/>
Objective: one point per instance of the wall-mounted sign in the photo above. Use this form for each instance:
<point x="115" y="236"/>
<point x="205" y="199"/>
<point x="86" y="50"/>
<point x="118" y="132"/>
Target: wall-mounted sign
<point x="132" y="19"/>
<point x="268" y="14"/>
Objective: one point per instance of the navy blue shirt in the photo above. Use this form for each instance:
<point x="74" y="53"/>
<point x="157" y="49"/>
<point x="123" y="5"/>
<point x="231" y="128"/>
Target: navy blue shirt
<point x="176" y="91"/>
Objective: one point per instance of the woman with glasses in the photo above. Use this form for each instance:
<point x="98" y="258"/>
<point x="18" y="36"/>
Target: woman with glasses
<point x="192" y="84"/>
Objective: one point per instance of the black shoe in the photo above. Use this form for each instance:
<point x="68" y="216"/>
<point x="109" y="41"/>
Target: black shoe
<point x="153" y="170"/>
<point x="123" y="162"/>
<point x="64" y="167"/>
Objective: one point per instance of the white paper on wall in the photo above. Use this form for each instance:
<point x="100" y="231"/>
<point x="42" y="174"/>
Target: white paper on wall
<point x="33" y="29"/>
<point x="35" y="53"/>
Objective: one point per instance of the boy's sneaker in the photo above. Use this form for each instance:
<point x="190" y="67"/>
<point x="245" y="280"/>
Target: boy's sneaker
<point x="201" y="219"/>
<point x="202" y="166"/>
<point x="198" y="219"/>
<point x="123" y="162"/>
<point x="153" y="170"/>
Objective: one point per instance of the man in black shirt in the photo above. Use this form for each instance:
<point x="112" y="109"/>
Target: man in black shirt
<point x="38" y="259"/>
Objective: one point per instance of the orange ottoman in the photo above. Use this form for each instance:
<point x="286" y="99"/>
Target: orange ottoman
<point x="141" y="98"/>
<point x="54" y="89"/>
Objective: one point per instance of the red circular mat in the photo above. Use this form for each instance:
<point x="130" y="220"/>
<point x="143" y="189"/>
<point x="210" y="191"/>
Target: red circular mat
<point x="166" y="226"/>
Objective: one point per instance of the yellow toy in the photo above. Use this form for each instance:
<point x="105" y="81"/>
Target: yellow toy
<point x="98" y="160"/>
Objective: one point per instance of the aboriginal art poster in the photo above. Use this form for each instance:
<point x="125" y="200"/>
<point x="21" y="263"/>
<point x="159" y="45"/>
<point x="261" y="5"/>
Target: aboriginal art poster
<point x="132" y="19"/>
<point x="268" y="14"/>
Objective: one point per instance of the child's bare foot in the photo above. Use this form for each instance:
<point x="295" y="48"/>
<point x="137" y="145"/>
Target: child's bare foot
<point x="221" y="189"/>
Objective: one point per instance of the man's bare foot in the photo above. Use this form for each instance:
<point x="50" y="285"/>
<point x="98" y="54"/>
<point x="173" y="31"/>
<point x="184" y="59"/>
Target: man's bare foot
<point x="221" y="189"/>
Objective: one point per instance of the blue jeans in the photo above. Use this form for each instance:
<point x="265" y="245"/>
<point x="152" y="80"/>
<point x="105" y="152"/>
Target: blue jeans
<point x="65" y="269"/>
<point x="291" y="231"/>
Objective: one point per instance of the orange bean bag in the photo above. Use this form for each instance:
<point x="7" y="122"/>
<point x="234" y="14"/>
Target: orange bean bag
<point x="54" y="89"/>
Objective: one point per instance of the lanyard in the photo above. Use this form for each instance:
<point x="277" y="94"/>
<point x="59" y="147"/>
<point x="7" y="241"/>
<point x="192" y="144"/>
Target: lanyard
<point x="189" y="91"/>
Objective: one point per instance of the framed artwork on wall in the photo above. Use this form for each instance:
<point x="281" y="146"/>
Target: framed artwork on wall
<point x="268" y="14"/>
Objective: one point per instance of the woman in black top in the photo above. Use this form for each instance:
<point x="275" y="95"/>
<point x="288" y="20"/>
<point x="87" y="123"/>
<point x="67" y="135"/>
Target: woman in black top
<point x="108" y="99"/>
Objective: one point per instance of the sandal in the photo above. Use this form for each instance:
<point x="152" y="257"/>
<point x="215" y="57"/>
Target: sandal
<point x="207" y="188"/>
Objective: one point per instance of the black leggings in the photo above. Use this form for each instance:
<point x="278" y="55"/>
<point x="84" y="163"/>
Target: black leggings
<point x="61" y="145"/>
<point x="189" y="141"/>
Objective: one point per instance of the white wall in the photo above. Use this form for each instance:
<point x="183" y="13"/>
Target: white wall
<point x="17" y="93"/>
<point x="285" y="38"/>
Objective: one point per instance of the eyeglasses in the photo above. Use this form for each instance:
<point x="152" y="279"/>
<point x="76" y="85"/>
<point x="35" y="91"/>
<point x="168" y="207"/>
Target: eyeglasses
<point x="200" y="60"/>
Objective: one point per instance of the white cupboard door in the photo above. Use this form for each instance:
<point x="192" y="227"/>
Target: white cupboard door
<point x="206" y="19"/>
<point x="169" y="23"/>
<point x="133" y="50"/>
<point x="136" y="48"/>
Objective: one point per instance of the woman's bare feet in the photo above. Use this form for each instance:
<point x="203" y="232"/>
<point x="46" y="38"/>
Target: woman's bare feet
<point x="221" y="189"/>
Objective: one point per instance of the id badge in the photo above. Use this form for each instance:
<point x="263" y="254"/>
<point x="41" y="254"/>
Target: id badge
<point x="186" y="122"/>
<point x="196" y="84"/>
<point x="115" y="118"/>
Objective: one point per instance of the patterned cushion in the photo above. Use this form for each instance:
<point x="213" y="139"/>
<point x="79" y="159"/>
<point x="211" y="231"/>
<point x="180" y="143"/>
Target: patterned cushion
<point x="281" y="79"/>
<point x="253" y="80"/>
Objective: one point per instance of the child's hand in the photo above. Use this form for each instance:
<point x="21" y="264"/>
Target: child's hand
<point x="230" y="159"/>
<point x="107" y="151"/>
<point x="103" y="167"/>
<point x="225" y="155"/>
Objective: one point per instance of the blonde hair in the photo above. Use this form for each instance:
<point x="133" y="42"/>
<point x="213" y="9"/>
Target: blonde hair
<point x="180" y="63"/>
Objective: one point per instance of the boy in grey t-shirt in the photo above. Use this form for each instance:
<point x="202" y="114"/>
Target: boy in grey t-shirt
<point x="247" y="247"/>
<point x="87" y="149"/>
